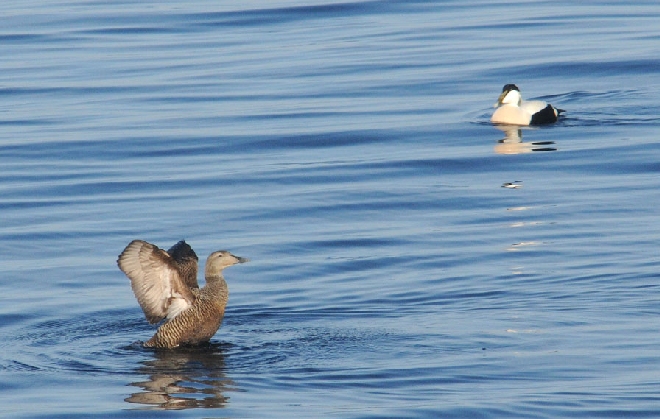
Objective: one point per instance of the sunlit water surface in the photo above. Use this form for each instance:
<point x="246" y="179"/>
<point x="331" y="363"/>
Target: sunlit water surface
<point x="345" y="149"/>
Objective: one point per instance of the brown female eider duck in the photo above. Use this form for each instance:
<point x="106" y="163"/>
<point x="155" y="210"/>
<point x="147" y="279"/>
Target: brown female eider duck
<point x="512" y="110"/>
<point x="165" y="285"/>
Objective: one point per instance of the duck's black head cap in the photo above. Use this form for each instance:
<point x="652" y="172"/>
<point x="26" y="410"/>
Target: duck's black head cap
<point x="509" y="87"/>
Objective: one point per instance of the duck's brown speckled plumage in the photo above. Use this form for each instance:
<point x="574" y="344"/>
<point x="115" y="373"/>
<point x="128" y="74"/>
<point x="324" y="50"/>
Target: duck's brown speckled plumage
<point x="198" y="323"/>
<point x="165" y="285"/>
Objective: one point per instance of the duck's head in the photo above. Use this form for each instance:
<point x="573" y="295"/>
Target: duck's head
<point x="217" y="261"/>
<point x="510" y="96"/>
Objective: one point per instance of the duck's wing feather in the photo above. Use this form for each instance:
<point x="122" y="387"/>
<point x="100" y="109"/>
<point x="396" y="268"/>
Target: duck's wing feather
<point x="533" y="106"/>
<point x="547" y="115"/>
<point x="186" y="260"/>
<point x="181" y="250"/>
<point x="155" y="280"/>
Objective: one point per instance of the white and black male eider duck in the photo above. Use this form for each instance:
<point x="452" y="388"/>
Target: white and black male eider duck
<point x="512" y="110"/>
<point x="165" y="284"/>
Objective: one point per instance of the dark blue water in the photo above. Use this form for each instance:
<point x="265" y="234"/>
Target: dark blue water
<point x="345" y="149"/>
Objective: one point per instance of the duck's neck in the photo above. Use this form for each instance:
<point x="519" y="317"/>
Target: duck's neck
<point x="216" y="286"/>
<point x="215" y="281"/>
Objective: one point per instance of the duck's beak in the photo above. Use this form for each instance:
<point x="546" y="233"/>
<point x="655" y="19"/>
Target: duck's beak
<point x="241" y="260"/>
<point x="500" y="99"/>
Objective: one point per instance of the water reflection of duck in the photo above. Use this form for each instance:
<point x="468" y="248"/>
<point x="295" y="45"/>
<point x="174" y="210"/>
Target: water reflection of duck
<point x="511" y="109"/>
<point x="187" y="378"/>
<point x="165" y="286"/>
<point x="512" y="142"/>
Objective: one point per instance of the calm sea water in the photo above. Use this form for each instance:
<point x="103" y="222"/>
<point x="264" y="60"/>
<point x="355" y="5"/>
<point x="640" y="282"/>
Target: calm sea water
<point x="345" y="148"/>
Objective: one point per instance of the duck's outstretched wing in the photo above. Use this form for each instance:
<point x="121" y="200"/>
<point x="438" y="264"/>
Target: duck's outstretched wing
<point x="187" y="262"/>
<point x="155" y="281"/>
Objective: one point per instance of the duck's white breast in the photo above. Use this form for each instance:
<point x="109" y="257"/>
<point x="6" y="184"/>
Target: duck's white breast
<point x="508" y="114"/>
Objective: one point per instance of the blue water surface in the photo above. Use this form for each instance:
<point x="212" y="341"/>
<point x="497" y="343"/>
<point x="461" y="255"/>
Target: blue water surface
<point x="408" y="259"/>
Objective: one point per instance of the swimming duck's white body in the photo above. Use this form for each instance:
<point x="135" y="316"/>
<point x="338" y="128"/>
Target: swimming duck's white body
<point x="512" y="110"/>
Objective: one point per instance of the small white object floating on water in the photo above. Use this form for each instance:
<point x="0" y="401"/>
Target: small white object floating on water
<point x="512" y="110"/>
<point x="513" y="185"/>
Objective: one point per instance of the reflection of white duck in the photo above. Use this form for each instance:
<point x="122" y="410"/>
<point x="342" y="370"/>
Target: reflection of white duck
<point x="511" y="109"/>
<point x="512" y="143"/>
